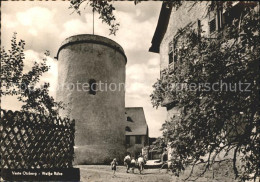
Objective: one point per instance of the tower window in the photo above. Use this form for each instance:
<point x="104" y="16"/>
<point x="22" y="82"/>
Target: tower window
<point x="92" y="87"/>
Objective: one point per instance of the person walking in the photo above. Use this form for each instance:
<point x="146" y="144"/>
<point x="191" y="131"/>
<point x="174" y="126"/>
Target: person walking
<point x="140" y="163"/>
<point x="127" y="161"/>
<point x="133" y="164"/>
<point x="164" y="160"/>
<point x="113" y="166"/>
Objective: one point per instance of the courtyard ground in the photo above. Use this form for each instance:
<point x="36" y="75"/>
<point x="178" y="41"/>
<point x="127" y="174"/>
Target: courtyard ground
<point x="103" y="173"/>
<point x="100" y="173"/>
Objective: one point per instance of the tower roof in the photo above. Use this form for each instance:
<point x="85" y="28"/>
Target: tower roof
<point x="91" y="39"/>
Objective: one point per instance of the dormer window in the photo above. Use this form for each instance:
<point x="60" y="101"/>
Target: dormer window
<point x="129" y="119"/>
<point x="127" y="128"/>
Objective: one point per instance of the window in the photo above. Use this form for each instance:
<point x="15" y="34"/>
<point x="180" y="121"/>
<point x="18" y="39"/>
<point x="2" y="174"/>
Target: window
<point x="171" y="52"/>
<point x="175" y="53"/>
<point x="215" y="21"/>
<point x="221" y="18"/>
<point x="127" y="140"/>
<point x="178" y="45"/>
<point x="212" y="26"/>
<point x="171" y="58"/>
<point x="92" y="87"/>
<point x="234" y="15"/>
<point x="127" y="128"/>
<point x="129" y="119"/>
<point x="199" y="28"/>
<point x="138" y="139"/>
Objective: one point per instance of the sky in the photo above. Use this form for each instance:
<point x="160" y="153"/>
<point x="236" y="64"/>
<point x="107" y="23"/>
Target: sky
<point x="44" y="25"/>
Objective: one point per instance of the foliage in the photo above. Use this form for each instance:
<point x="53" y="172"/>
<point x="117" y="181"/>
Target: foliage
<point x="15" y="81"/>
<point x="212" y="122"/>
<point x="103" y="7"/>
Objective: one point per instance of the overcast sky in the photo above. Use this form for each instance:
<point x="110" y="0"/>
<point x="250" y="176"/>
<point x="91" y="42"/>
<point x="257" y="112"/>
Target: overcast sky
<point x="44" y="25"/>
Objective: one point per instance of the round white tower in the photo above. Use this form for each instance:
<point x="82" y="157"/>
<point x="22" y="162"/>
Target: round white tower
<point x="91" y="81"/>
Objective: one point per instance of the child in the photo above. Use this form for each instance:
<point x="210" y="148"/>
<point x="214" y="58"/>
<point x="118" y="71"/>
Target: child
<point x="113" y="166"/>
<point x="133" y="163"/>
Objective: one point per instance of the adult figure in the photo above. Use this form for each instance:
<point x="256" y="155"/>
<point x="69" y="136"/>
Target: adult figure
<point x="140" y="163"/>
<point x="127" y="161"/>
<point x="164" y="159"/>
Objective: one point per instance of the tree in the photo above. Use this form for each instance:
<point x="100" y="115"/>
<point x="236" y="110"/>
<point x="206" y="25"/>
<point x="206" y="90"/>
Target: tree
<point x="105" y="9"/>
<point x="213" y="122"/>
<point x="15" y="82"/>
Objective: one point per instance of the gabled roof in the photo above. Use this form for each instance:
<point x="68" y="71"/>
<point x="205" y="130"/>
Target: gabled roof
<point x="136" y="121"/>
<point x="161" y="27"/>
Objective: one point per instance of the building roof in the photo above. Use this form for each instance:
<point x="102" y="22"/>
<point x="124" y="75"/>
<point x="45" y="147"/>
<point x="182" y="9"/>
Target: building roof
<point x="161" y="27"/>
<point x="135" y="121"/>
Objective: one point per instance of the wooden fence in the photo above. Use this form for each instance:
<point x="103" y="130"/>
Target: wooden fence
<point x="32" y="141"/>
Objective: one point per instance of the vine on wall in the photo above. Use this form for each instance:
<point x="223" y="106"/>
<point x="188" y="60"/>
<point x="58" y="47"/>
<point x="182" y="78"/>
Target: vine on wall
<point x="215" y="121"/>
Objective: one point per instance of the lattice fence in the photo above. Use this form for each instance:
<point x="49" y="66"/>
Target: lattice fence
<point x="31" y="141"/>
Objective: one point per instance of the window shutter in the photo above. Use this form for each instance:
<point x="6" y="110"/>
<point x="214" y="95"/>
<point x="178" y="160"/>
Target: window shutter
<point x="170" y="53"/>
<point x="199" y="27"/>
<point x="170" y="47"/>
